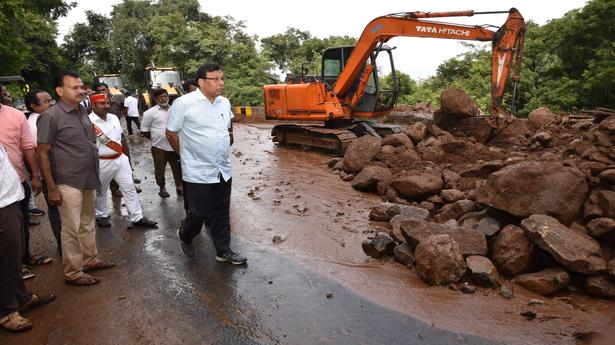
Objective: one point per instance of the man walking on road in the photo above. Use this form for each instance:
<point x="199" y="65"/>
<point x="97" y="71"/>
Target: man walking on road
<point x="132" y="112"/>
<point x="114" y="164"/>
<point x="153" y="127"/>
<point x="68" y="158"/>
<point x="199" y="129"/>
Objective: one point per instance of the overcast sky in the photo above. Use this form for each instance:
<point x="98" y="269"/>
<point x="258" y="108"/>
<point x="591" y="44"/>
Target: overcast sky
<point x="418" y="57"/>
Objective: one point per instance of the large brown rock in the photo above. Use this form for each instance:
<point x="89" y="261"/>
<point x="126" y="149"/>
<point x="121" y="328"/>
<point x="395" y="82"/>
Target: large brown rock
<point x="611" y="269"/>
<point x="512" y="251"/>
<point x="600" y="286"/>
<point x="539" y="118"/>
<point x="532" y="187"/>
<point x="544" y="282"/>
<point x="417" y="132"/>
<point x="482" y="272"/>
<point x="383" y="212"/>
<point x="470" y="241"/>
<point x="606" y="201"/>
<point x="360" y="153"/>
<point x="397" y="139"/>
<point x="455" y="210"/>
<point x="418" y="184"/>
<point x="379" y="246"/>
<point x="369" y="177"/>
<point x="438" y="260"/>
<point x="573" y="250"/>
<point x="455" y="104"/>
<point x="600" y="226"/>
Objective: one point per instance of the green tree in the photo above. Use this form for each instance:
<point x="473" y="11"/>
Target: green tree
<point x="27" y="44"/>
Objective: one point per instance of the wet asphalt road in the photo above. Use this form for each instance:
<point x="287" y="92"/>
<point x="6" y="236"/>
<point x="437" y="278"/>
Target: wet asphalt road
<point x="158" y="296"/>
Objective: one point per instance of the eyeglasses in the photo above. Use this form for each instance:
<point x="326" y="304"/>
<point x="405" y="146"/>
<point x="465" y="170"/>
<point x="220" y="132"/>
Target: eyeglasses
<point x="217" y="79"/>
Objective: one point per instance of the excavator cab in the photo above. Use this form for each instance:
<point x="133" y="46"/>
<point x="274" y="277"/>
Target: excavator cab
<point x="375" y="98"/>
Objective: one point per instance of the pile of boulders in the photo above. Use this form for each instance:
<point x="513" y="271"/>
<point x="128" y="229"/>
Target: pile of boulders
<point x="536" y="206"/>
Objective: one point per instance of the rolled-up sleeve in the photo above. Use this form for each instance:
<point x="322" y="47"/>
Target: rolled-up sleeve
<point x="177" y="114"/>
<point x="26" y="137"/>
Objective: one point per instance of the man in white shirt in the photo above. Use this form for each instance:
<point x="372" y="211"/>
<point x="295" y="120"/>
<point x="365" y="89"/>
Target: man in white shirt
<point x="132" y="112"/>
<point x="199" y="128"/>
<point x="113" y="164"/>
<point x="14" y="298"/>
<point x="153" y="127"/>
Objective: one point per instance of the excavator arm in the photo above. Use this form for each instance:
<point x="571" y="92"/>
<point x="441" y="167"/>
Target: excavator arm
<point x="507" y="41"/>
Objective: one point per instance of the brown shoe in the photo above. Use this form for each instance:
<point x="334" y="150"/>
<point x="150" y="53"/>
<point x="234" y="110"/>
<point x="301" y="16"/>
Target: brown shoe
<point x="36" y="301"/>
<point x="98" y="266"/>
<point x="83" y="280"/>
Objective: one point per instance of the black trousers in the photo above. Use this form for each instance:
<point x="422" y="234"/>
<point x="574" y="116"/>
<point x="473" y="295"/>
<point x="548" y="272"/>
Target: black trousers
<point x="130" y="120"/>
<point x="211" y="202"/>
<point x="12" y="289"/>
<point x="26" y="220"/>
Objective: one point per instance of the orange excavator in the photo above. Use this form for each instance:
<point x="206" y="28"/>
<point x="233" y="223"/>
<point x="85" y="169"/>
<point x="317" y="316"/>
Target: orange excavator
<point x="348" y="94"/>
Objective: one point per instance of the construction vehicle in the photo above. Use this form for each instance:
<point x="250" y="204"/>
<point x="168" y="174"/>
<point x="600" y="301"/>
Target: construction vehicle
<point x="167" y="78"/>
<point x="116" y="86"/>
<point x="17" y="87"/>
<point x="348" y="94"/>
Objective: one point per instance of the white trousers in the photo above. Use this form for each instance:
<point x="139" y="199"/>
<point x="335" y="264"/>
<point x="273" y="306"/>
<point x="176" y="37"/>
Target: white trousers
<point x="119" y="170"/>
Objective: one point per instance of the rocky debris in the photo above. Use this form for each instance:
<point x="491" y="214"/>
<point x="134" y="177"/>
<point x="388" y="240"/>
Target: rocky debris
<point x="512" y="251"/>
<point x="607" y="177"/>
<point x="478" y="192"/>
<point x="397" y="139"/>
<point x="452" y="195"/>
<point x="455" y="104"/>
<point x="417" y="132"/>
<point x="333" y="162"/>
<point x="482" y="272"/>
<point x="369" y="177"/>
<point x="529" y="188"/>
<point x="600" y="286"/>
<point x="380" y="245"/>
<point x="360" y="153"/>
<point x="599" y="227"/>
<point x="611" y="269"/>
<point x="384" y="212"/>
<point x="576" y="252"/>
<point x="606" y="202"/>
<point x="469" y="241"/>
<point x="418" y="184"/>
<point x="438" y="260"/>
<point x="544" y="282"/>
<point x="404" y="254"/>
<point x="506" y="292"/>
<point x="455" y="210"/>
<point x="539" y="118"/>
<point x="488" y="226"/>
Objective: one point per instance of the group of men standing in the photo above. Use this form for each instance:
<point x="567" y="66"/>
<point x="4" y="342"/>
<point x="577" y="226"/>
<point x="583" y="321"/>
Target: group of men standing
<point x="77" y="157"/>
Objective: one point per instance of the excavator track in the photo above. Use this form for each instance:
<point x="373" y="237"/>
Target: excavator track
<point x="313" y="138"/>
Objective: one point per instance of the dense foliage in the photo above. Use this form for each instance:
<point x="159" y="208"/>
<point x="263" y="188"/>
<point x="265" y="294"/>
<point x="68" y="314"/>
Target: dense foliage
<point x="568" y="63"/>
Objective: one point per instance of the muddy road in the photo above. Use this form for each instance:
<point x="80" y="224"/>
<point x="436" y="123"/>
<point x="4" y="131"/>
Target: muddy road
<point x="314" y="286"/>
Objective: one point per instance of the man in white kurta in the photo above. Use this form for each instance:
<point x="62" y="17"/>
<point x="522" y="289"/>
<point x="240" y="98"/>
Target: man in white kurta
<point x="114" y="164"/>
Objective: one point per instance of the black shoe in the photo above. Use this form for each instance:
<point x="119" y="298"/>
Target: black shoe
<point x="146" y="223"/>
<point x="136" y="180"/>
<point x="231" y="257"/>
<point x="187" y="249"/>
<point x="138" y="189"/>
<point x="36" y="212"/>
<point x="103" y="222"/>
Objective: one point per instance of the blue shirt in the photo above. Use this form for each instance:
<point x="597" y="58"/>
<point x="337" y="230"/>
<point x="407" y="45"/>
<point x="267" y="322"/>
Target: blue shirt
<point x="204" y="140"/>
